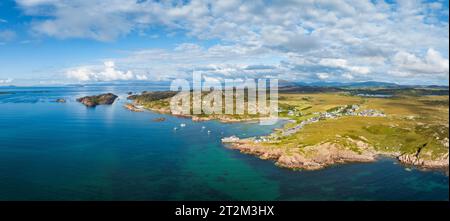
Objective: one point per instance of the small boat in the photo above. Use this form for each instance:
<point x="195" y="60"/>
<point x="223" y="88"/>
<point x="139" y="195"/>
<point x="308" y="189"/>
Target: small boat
<point x="209" y="131"/>
<point x="182" y="125"/>
<point x="175" y="128"/>
<point x="203" y="127"/>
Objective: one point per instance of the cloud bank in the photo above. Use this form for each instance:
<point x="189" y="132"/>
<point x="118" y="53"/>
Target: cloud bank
<point x="299" y="40"/>
<point x="106" y="73"/>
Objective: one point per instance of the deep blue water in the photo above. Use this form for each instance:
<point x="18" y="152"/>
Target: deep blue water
<point x="65" y="151"/>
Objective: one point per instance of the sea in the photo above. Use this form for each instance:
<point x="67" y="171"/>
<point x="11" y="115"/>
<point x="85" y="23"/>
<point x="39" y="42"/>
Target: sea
<point x="66" y="151"/>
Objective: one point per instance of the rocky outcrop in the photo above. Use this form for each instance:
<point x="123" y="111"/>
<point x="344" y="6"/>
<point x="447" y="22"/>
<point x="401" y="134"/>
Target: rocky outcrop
<point x="92" y="101"/>
<point x="326" y="154"/>
<point x="323" y="155"/>
<point x="417" y="160"/>
<point x="310" y="158"/>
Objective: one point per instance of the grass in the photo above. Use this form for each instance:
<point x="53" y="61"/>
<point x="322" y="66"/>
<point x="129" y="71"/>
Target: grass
<point x="412" y="122"/>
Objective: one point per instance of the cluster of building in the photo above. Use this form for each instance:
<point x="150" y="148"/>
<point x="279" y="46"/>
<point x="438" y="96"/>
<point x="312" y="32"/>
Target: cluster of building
<point x="349" y="110"/>
<point x="299" y="126"/>
<point x="261" y="139"/>
<point x="371" y="113"/>
<point x="230" y="139"/>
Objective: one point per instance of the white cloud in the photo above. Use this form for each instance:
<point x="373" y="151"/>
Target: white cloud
<point x="348" y="76"/>
<point x="330" y="62"/>
<point x="7" y="35"/>
<point x="358" y="38"/>
<point x="6" y="81"/>
<point x="141" y="77"/>
<point x="36" y="2"/>
<point x="106" y="73"/>
<point x="431" y="63"/>
<point x="343" y="64"/>
<point x="323" y="76"/>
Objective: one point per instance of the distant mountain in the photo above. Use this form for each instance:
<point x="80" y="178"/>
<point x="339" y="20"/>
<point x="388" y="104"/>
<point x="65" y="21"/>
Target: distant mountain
<point x="372" y="84"/>
<point x="437" y="87"/>
<point x="281" y="84"/>
<point x="349" y="84"/>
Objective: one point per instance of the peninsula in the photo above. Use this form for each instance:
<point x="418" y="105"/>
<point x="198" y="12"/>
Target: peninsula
<point x="342" y="126"/>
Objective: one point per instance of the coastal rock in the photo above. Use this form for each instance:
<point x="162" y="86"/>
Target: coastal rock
<point x="322" y="155"/>
<point x="92" y="101"/>
<point x="310" y="158"/>
<point x="132" y="107"/>
<point x="159" y="119"/>
<point x="319" y="156"/>
<point x="417" y="160"/>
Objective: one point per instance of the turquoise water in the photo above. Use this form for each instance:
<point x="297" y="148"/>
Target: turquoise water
<point x="65" y="151"/>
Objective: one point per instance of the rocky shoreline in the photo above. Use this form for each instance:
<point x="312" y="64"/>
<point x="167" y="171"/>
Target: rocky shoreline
<point x="133" y="107"/>
<point x="326" y="154"/>
<point x="316" y="156"/>
<point x="220" y="118"/>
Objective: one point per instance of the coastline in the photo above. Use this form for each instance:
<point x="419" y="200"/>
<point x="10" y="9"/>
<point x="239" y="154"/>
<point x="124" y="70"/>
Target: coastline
<point x="221" y="118"/>
<point x="313" y="157"/>
<point x="326" y="154"/>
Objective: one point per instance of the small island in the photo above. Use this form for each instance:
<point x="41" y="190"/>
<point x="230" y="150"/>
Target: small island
<point x="102" y="99"/>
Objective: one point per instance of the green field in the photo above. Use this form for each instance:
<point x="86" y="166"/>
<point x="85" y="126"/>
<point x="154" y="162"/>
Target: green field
<point x="405" y="124"/>
<point x="411" y="123"/>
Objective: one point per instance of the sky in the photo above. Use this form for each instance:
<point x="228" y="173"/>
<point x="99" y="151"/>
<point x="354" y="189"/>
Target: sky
<point x="53" y="42"/>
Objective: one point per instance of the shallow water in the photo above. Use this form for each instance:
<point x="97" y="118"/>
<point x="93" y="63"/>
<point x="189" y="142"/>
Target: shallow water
<point x="65" y="151"/>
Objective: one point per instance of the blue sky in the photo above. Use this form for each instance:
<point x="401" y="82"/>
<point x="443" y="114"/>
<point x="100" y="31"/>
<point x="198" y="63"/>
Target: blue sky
<point x="46" y="42"/>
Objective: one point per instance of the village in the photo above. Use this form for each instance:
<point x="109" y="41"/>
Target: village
<point x="347" y="110"/>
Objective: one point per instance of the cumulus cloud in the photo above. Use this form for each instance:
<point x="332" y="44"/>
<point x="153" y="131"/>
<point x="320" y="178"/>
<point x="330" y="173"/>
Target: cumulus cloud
<point x="348" y="76"/>
<point x="323" y="76"/>
<point x="431" y="63"/>
<point x="6" y="81"/>
<point x="106" y="73"/>
<point x="343" y="64"/>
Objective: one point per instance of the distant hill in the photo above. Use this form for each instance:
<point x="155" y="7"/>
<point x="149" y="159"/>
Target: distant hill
<point x="349" y="84"/>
